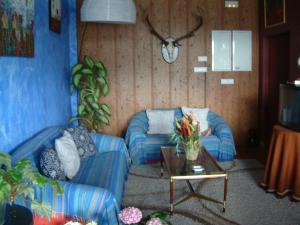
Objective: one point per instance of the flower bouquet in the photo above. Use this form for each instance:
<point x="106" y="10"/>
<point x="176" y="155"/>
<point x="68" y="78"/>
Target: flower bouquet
<point x="187" y="135"/>
<point x="134" y="216"/>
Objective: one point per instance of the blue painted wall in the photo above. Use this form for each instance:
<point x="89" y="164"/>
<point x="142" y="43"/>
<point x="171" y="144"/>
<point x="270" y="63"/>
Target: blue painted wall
<point x="34" y="92"/>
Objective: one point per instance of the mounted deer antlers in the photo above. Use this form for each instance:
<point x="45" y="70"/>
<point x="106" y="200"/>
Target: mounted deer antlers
<point x="169" y="46"/>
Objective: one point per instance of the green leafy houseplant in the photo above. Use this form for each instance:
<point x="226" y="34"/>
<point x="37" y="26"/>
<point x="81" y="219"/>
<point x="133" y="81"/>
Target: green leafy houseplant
<point x="89" y="78"/>
<point x="18" y="181"/>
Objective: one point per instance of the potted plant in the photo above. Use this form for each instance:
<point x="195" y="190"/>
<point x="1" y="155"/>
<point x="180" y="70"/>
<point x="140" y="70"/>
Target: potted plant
<point x="187" y="135"/>
<point x="17" y="182"/>
<point x="89" y="78"/>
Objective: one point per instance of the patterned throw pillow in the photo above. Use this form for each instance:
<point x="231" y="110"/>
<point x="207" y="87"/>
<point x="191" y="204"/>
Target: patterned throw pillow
<point x="50" y="165"/>
<point x="84" y="143"/>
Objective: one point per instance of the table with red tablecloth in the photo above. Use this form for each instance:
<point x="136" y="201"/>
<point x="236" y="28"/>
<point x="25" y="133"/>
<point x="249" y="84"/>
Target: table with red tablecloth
<point x="282" y="172"/>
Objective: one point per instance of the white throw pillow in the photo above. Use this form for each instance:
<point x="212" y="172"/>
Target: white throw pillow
<point x="68" y="154"/>
<point x="160" y="121"/>
<point x="200" y="115"/>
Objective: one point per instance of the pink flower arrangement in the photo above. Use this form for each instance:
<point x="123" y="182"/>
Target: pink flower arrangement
<point x="130" y="215"/>
<point x="154" y="221"/>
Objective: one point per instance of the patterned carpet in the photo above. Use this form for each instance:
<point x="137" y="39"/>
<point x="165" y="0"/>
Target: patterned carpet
<point x="248" y="204"/>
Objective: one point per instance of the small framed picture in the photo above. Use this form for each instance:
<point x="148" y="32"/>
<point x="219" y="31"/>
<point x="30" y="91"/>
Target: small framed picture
<point x="55" y="15"/>
<point x="274" y="12"/>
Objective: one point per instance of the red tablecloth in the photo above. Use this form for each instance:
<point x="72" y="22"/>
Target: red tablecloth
<point x="282" y="172"/>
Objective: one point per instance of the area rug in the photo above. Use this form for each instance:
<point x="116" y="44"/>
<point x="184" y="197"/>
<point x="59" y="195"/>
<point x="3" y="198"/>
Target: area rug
<point x="248" y="203"/>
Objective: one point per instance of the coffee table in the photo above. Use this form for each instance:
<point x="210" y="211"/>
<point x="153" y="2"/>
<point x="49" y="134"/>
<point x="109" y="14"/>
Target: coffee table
<point x="181" y="169"/>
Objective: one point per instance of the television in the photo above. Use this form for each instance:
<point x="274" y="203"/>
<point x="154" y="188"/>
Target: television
<point x="289" y="106"/>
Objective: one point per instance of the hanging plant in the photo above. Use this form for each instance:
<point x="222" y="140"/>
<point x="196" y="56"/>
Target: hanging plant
<point x="89" y="78"/>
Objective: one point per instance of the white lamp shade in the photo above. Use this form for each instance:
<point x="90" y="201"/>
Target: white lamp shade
<point x="108" y="11"/>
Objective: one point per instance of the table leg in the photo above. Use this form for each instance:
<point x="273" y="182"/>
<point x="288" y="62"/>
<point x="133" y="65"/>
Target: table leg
<point x="171" y="195"/>
<point x="225" y="192"/>
<point x="161" y="164"/>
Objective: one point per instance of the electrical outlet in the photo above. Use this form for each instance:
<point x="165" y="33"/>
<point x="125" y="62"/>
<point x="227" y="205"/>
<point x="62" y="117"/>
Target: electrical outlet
<point x="200" y="69"/>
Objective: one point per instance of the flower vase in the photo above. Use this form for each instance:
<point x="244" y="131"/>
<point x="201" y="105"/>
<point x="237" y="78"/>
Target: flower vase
<point x="192" y="151"/>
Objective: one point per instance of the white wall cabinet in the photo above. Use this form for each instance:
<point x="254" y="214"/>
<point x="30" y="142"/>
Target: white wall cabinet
<point x="231" y="50"/>
<point x="241" y="50"/>
<point x="221" y="50"/>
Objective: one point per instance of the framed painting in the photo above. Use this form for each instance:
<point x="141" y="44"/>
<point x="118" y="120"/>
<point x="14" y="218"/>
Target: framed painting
<point x="274" y="11"/>
<point x="17" y="28"/>
<point x="55" y="15"/>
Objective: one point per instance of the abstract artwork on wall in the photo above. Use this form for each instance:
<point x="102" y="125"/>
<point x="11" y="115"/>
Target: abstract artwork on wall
<point x="17" y="28"/>
<point x="55" y="15"/>
<point x="274" y="12"/>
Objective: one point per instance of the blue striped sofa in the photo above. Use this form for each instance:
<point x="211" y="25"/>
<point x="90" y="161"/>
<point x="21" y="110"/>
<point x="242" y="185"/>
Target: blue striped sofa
<point x="96" y="192"/>
<point x="144" y="148"/>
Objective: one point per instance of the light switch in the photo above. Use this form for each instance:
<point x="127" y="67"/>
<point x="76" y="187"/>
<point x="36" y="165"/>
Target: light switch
<point x="227" y="81"/>
<point x="202" y="58"/>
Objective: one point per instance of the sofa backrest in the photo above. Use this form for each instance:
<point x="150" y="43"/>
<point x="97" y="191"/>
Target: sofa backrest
<point x="142" y="116"/>
<point x="32" y="148"/>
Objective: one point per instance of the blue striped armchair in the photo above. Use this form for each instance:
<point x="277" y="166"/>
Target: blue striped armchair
<point x="96" y="192"/>
<point x="145" y="148"/>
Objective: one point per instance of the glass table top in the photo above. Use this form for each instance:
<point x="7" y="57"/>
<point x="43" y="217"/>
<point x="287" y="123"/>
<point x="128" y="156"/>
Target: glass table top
<point x="177" y="165"/>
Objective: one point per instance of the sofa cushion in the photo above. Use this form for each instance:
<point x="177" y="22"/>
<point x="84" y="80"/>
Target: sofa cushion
<point x="67" y="154"/>
<point x="200" y="115"/>
<point x="103" y="170"/>
<point x="160" y="121"/>
<point x="84" y="143"/>
<point x="50" y="165"/>
<point x="212" y="144"/>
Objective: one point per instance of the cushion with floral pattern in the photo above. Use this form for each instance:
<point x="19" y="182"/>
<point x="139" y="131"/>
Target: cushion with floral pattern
<point x="84" y="143"/>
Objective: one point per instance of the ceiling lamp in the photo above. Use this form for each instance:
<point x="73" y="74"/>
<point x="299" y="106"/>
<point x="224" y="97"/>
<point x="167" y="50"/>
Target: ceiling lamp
<point x="231" y="3"/>
<point x="108" y="11"/>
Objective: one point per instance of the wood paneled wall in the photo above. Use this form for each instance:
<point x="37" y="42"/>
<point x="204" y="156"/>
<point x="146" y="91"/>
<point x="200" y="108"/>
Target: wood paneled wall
<point x="139" y="78"/>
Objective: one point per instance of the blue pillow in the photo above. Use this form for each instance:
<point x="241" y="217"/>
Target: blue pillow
<point x="84" y="143"/>
<point x="50" y="165"/>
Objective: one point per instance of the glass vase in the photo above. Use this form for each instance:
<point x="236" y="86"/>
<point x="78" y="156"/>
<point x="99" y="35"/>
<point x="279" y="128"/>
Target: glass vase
<point x="191" y="150"/>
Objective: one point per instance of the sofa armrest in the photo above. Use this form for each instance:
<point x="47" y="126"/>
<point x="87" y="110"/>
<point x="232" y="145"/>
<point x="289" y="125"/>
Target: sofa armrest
<point x="222" y="130"/>
<point x="83" y="201"/>
<point x="137" y="128"/>
<point x="109" y="143"/>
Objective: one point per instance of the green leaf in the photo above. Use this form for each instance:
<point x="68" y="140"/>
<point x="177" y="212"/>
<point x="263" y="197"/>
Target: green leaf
<point x="95" y="105"/>
<point x="106" y="109"/>
<point x="90" y="100"/>
<point x="40" y="180"/>
<point x="27" y="192"/>
<point x="81" y="109"/>
<point x="87" y="71"/>
<point x="42" y="209"/>
<point x="15" y="174"/>
<point x="5" y="159"/>
<point x="101" y="80"/>
<point x="105" y="90"/>
<point x="59" y="190"/>
<point x="76" y="68"/>
<point x="103" y="72"/>
<point x="101" y="112"/>
<point x="104" y="120"/>
<point x="97" y="94"/>
<point x="89" y="61"/>
<point x="5" y="189"/>
<point x="100" y="66"/>
<point x="72" y="87"/>
<point x="76" y="79"/>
